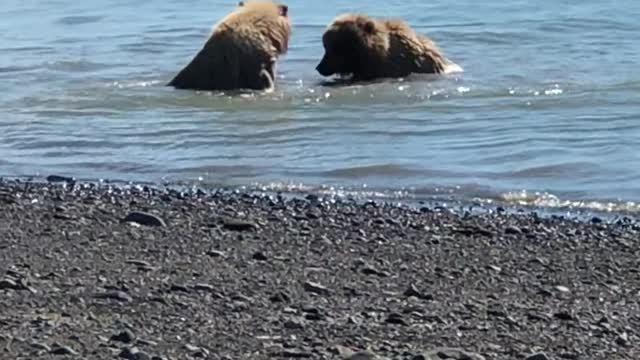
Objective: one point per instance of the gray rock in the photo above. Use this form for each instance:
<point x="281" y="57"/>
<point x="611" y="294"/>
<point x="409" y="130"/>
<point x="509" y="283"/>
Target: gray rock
<point x="293" y="325"/>
<point x="58" y="179"/>
<point x="143" y="218"/>
<point x="396" y="319"/>
<point x="179" y="288"/>
<point x="448" y="354"/>
<point x="8" y="284"/>
<point x="295" y="354"/>
<point x="125" y="336"/>
<point x="204" y="287"/>
<point x="63" y="350"/>
<point x="238" y="225"/>
<point x="622" y="339"/>
<point x="316" y="288"/>
<point x="512" y="230"/>
<point x="260" y="256"/>
<point x="216" y="253"/>
<point x="134" y="354"/>
<point x="114" y="295"/>
<point x="369" y="270"/>
<point x="413" y="291"/>
<point x="538" y="356"/>
<point x="40" y="346"/>
<point x="348" y="354"/>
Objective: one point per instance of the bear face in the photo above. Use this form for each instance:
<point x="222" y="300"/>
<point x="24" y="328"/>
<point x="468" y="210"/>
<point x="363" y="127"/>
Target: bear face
<point x="366" y="48"/>
<point x="351" y="45"/>
<point x="242" y="50"/>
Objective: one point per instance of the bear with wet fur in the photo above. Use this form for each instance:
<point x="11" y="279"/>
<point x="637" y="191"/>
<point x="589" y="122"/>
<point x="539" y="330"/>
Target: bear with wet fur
<point x="366" y="48"/>
<point x="242" y="50"/>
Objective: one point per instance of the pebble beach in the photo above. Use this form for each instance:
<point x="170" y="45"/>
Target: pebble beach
<point x="93" y="271"/>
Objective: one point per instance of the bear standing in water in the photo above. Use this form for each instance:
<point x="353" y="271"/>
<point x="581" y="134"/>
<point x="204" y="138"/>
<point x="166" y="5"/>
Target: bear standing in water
<point x="241" y="52"/>
<point x="368" y="48"/>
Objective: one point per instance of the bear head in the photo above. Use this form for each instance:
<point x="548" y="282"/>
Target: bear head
<point x="354" y="45"/>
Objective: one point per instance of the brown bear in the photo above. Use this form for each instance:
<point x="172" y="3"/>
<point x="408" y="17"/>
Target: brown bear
<point x="366" y="49"/>
<point x="242" y="50"/>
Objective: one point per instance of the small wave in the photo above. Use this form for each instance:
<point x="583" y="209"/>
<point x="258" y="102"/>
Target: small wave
<point x="547" y="200"/>
<point x="371" y="170"/>
<point x="76" y="66"/>
<point x="14" y="69"/>
<point x="135" y="84"/>
<point x="79" y="19"/>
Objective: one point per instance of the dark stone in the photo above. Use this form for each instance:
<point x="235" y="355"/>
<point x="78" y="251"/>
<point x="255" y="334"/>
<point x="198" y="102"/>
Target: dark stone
<point x="452" y="354"/>
<point x="114" y="295"/>
<point x="413" y="291"/>
<point x="295" y="354"/>
<point x="368" y="270"/>
<point x="396" y="319"/>
<point x="238" y="225"/>
<point x="58" y="179"/>
<point x="125" y="336"/>
<point x="63" y="350"/>
<point x="216" y="253"/>
<point x="538" y="356"/>
<point x="316" y="288"/>
<point x="179" y="288"/>
<point x="134" y="354"/>
<point x="563" y="315"/>
<point x="293" y="325"/>
<point x="8" y="284"/>
<point x="143" y="218"/>
<point x="259" y="256"/>
<point x="622" y="339"/>
<point x="280" y="297"/>
<point x="512" y="230"/>
<point x="204" y="287"/>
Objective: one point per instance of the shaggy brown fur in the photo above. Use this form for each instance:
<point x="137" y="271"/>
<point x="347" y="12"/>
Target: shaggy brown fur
<point x="368" y="48"/>
<point x="241" y="52"/>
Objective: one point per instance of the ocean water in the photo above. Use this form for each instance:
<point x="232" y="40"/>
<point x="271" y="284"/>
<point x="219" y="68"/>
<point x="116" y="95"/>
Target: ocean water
<point x="546" y="112"/>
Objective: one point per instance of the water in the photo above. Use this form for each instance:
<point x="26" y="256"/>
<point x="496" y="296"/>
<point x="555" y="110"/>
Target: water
<point x="546" y="112"/>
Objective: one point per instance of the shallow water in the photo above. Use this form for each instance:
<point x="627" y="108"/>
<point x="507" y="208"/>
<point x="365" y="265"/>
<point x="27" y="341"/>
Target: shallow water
<point x="546" y="112"/>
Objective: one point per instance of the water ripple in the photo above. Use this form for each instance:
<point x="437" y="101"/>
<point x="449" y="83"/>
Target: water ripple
<point x="547" y="103"/>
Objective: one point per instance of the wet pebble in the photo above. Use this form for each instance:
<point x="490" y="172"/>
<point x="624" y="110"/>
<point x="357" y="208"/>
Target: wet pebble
<point x="238" y="225"/>
<point x="63" y="350"/>
<point x="59" y="179"/>
<point x="395" y="318"/>
<point x="114" y="295"/>
<point x="412" y="290"/>
<point x="11" y="284"/>
<point x="259" y="256"/>
<point x="449" y="354"/>
<point x="538" y="356"/>
<point x="293" y="325"/>
<point x="144" y="218"/>
<point x="133" y="353"/>
<point x="125" y="336"/>
<point x="316" y="288"/>
<point x="369" y="270"/>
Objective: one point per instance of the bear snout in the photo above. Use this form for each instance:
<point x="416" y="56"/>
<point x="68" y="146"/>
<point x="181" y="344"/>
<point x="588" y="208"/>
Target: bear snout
<point x="323" y="67"/>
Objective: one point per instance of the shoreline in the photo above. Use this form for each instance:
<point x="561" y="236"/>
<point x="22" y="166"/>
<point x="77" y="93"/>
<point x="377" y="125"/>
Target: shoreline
<point x="99" y="272"/>
<point x="455" y="204"/>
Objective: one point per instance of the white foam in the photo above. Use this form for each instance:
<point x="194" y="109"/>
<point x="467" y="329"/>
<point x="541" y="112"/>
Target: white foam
<point x="452" y="68"/>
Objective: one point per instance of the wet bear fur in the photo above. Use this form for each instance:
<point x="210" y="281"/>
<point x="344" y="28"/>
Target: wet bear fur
<point x="366" y="48"/>
<point x="242" y="50"/>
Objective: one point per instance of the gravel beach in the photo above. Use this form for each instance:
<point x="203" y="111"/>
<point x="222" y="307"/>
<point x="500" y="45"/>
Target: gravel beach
<point x="99" y="272"/>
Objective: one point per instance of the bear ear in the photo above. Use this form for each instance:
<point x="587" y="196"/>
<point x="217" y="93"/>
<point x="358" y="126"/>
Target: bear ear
<point x="369" y="27"/>
<point x="241" y="3"/>
<point x="284" y="10"/>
